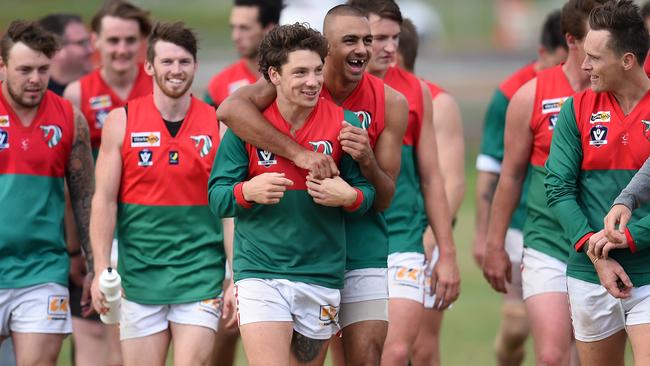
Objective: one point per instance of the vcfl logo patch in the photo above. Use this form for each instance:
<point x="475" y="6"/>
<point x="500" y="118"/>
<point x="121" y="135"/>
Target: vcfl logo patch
<point x="145" y="158"/>
<point x="598" y="136"/>
<point x="265" y="158"/>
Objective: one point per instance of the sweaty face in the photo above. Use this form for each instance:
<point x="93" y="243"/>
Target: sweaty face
<point x="300" y="80"/>
<point x="119" y="42"/>
<point x="27" y="73"/>
<point x="173" y="69"/>
<point x="246" y="30"/>
<point x="350" y="45"/>
<point x="601" y="62"/>
<point x="385" y="41"/>
<point x="77" y="48"/>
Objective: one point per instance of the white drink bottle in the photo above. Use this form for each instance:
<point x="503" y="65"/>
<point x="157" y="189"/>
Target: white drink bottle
<point x="110" y="284"/>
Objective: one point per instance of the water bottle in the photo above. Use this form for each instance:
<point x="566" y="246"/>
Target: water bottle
<point x="110" y="284"/>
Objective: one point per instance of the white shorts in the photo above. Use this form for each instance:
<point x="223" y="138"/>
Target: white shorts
<point x="596" y="314"/>
<point x="515" y="245"/>
<point x="139" y="320"/>
<point x="364" y="296"/>
<point x="542" y="273"/>
<point x="43" y="308"/>
<point x="429" y="295"/>
<point x="406" y="276"/>
<point x="313" y="309"/>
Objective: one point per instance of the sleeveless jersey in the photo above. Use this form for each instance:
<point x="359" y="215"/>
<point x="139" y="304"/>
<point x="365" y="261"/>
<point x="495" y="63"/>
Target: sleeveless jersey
<point x="542" y="232"/>
<point x="597" y="151"/>
<point x="171" y="245"/>
<point x="97" y="99"/>
<point x="33" y="162"/>
<point x="404" y="217"/>
<point x="228" y="80"/>
<point x="433" y="88"/>
<point x="366" y="236"/>
<point x="295" y="239"/>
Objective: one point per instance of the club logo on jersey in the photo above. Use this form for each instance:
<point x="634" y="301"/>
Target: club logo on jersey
<point x="203" y="144"/>
<point x="553" y="105"/>
<point x="145" y="139"/>
<point x="365" y="118"/>
<point x="52" y="135"/>
<point x="4" y="139"/>
<point x="322" y="146"/>
<point x="145" y="158"/>
<point x="646" y="129"/>
<point x="173" y="158"/>
<point x="408" y="276"/>
<point x="600" y="117"/>
<point x="598" y="136"/>
<point x="100" y="118"/>
<point x="101" y="102"/>
<point x="328" y="314"/>
<point x="265" y="158"/>
<point x="552" y="120"/>
<point x="4" y="121"/>
<point x="236" y="85"/>
<point x="625" y="138"/>
<point x="58" y="307"/>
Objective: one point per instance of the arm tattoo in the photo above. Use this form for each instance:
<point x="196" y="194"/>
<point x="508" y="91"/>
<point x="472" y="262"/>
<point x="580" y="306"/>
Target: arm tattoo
<point x="304" y="348"/>
<point x="81" y="183"/>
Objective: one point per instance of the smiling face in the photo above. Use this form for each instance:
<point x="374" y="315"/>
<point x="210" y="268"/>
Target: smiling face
<point x="299" y="81"/>
<point x="602" y="64"/>
<point x="350" y="45"/>
<point x="119" y="41"/>
<point x="385" y="42"/>
<point x="27" y="73"/>
<point x="173" y="69"/>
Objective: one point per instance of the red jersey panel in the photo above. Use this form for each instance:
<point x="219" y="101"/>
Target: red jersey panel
<point x="319" y="133"/>
<point x="510" y="86"/>
<point x="97" y="99"/>
<point x="44" y="147"/>
<point x="610" y="139"/>
<point x="552" y="90"/>
<point x="230" y="79"/>
<point x="433" y="88"/>
<point x="368" y="102"/>
<point x="409" y="85"/>
<point x="158" y="169"/>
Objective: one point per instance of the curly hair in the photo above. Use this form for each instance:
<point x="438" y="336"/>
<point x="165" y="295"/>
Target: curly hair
<point x="31" y="34"/>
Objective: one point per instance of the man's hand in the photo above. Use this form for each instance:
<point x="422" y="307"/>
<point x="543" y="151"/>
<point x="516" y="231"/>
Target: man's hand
<point x="331" y="192"/>
<point x="98" y="298"/>
<point x="318" y="164"/>
<point x="229" y="312"/>
<point x="266" y="189"/>
<point x="86" y="300"/>
<point x="618" y="215"/>
<point x="600" y="245"/>
<point x="497" y="268"/>
<point x="478" y="251"/>
<point x="355" y="142"/>
<point x="613" y="277"/>
<point x="445" y="281"/>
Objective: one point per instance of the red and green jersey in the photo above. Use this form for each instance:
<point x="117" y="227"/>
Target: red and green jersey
<point x="295" y="239"/>
<point x="404" y="217"/>
<point x="542" y="232"/>
<point x="98" y="98"/>
<point x="595" y="152"/>
<point x="494" y="126"/>
<point x="366" y="236"/>
<point x="227" y="81"/>
<point x="33" y="163"/>
<point x="171" y="245"/>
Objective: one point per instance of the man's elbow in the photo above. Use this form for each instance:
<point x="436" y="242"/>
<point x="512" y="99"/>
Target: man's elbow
<point x="383" y="199"/>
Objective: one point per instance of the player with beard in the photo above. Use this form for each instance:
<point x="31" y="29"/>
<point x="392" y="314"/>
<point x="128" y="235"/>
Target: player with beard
<point x="43" y="140"/>
<point x="530" y="122"/>
<point x="376" y="148"/>
<point x="250" y="20"/>
<point x="171" y="247"/>
<point x="419" y="197"/>
<point x="119" y="31"/>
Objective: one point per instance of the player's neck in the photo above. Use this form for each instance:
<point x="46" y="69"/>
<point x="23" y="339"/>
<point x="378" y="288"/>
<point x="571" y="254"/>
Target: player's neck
<point x="338" y="86"/>
<point x="171" y="109"/>
<point x="121" y="82"/>
<point x="378" y="73"/>
<point x="631" y="89"/>
<point x="26" y="115"/>
<point x="577" y="77"/>
<point x="62" y="76"/>
<point x="252" y="64"/>
<point x="294" y="114"/>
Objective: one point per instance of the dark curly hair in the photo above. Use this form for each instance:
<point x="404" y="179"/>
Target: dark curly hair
<point x="31" y="34"/>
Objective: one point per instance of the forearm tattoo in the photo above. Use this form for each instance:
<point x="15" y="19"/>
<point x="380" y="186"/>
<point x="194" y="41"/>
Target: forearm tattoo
<point x="81" y="183"/>
<point x="305" y="349"/>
